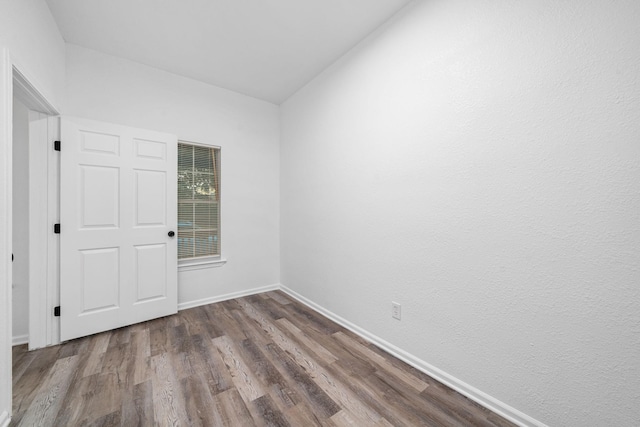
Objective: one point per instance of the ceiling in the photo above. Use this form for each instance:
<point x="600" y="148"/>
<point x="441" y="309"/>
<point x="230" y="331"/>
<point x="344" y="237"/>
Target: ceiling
<point x="267" y="49"/>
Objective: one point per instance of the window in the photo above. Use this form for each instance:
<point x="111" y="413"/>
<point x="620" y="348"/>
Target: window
<point x="198" y="201"/>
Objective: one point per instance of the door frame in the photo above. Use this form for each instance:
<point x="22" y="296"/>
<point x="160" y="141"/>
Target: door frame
<point x="13" y="76"/>
<point x="27" y="92"/>
<point x="44" y="286"/>
<point x="6" y="171"/>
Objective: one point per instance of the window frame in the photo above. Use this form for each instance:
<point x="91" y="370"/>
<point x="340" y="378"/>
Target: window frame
<point x="207" y="261"/>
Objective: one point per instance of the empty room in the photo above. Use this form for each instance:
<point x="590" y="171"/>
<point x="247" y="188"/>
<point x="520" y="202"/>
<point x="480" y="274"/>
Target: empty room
<point x="304" y="212"/>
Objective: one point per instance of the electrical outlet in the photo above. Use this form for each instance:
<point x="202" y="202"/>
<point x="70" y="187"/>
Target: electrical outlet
<point x="395" y="310"/>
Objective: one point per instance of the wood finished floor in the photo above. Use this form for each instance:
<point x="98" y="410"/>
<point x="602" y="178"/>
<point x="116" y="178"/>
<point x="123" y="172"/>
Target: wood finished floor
<point x="263" y="360"/>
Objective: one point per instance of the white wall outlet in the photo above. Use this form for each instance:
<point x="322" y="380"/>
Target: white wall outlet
<point x="395" y="310"/>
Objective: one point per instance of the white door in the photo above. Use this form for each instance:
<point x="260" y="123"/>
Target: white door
<point x="118" y="256"/>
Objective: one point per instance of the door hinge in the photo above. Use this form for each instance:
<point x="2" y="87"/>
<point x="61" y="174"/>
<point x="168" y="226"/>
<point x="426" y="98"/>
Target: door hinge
<point x="56" y="145"/>
<point x="56" y="311"/>
<point x="56" y="228"/>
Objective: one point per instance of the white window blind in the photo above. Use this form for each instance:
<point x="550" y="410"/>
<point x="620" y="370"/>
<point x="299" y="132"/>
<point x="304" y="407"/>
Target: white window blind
<point x="198" y="201"/>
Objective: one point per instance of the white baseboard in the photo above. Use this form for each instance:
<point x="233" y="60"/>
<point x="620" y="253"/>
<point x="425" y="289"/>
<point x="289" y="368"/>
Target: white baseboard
<point x="20" y="339"/>
<point x="4" y="419"/>
<point x="197" y="303"/>
<point x="461" y="387"/>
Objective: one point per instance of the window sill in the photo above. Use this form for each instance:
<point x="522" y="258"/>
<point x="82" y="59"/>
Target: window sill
<point x="200" y="263"/>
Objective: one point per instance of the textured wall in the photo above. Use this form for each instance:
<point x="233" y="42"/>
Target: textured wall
<point x="106" y="88"/>
<point x="478" y="162"/>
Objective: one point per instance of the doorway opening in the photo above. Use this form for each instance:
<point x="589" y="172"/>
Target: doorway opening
<point x="35" y="206"/>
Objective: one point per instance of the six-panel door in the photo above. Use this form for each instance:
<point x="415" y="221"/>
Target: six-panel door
<point x="118" y="264"/>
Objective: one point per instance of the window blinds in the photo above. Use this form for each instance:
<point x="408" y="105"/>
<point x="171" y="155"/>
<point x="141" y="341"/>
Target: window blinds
<point x="198" y="201"/>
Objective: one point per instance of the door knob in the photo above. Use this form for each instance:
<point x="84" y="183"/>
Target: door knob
<point x="171" y="234"/>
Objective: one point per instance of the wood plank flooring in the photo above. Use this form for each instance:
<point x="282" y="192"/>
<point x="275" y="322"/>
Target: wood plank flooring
<point x="263" y="360"/>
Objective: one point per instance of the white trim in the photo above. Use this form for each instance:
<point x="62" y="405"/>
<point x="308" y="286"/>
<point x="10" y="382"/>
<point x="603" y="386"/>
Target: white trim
<point x="199" y="144"/>
<point x="20" y="339"/>
<point x="6" y="166"/>
<point x="4" y="419"/>
<point x="53" y="240"/>
<point x="38" y="227"/>
<point x="456" y="384"/>
<point x="233" y="295"/>
<point x="199" y="264"/>
<point x="29" y="95"/>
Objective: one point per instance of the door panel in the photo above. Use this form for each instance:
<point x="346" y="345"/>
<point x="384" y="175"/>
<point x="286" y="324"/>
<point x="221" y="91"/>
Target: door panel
<point x="99" y="209"/>
<point x="150" y="281"/>
<point x="100" y="279"/>
<point x="150" y="188"/>
<point x="100" y="143"/>
<point x="118" y="202"/>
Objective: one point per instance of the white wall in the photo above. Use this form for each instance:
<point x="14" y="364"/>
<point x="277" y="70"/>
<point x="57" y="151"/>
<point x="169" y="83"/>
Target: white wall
<point x="478" y="162"/>
<point x="29" y="31"/>
<point x="20" y="239"/>
<point x="114" y="90"/>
